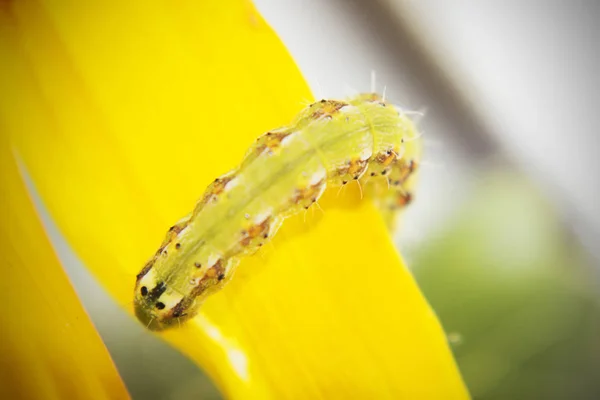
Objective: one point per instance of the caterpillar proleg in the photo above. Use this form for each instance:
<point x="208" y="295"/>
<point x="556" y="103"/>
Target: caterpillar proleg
<point x="330" y="143"/>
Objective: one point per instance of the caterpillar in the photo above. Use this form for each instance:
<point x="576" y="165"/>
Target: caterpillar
<point x="285" y="171"/>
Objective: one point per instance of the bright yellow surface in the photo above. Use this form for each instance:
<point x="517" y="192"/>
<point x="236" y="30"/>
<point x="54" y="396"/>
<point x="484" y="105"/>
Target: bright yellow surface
<point x="123" y="112"/>
<point x="48" y="347"/>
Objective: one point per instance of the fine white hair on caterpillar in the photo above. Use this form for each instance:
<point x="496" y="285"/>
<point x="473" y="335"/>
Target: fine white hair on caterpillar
<point x="286" y="170"/>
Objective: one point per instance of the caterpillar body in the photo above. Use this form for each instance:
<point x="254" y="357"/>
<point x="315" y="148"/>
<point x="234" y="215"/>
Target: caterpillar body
<point x="330" y="143"/>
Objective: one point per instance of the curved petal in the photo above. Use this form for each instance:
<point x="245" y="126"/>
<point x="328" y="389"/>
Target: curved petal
<point x="136" y="110"/>
<point x="49" y="346"/>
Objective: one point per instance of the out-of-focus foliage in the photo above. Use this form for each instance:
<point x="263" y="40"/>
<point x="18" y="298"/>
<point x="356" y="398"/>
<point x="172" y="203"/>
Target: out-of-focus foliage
<point x="515" y="296"/>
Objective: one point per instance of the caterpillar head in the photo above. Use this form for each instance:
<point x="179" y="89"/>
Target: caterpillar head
<point x="158" y="306"/>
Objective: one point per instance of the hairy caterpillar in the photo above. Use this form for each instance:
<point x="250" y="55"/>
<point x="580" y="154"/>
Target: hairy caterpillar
<point x="285" y="171"/>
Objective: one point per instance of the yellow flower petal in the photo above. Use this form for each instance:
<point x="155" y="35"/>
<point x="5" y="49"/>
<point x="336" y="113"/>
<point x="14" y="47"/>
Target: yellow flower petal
<point x="49" y="347"/>
<point x="124" y="114"/>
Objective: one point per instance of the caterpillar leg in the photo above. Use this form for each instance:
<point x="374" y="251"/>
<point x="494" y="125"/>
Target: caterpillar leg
<point x="393" y="190"/>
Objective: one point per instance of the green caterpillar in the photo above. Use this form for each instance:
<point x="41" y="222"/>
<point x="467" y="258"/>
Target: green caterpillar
<point x="285" y="171"/>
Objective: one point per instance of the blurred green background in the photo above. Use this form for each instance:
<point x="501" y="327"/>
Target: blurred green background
<point x="518" y="299"/>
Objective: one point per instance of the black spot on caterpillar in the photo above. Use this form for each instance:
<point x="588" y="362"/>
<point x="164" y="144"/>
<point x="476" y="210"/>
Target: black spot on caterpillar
<point x="329" y="143"/>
